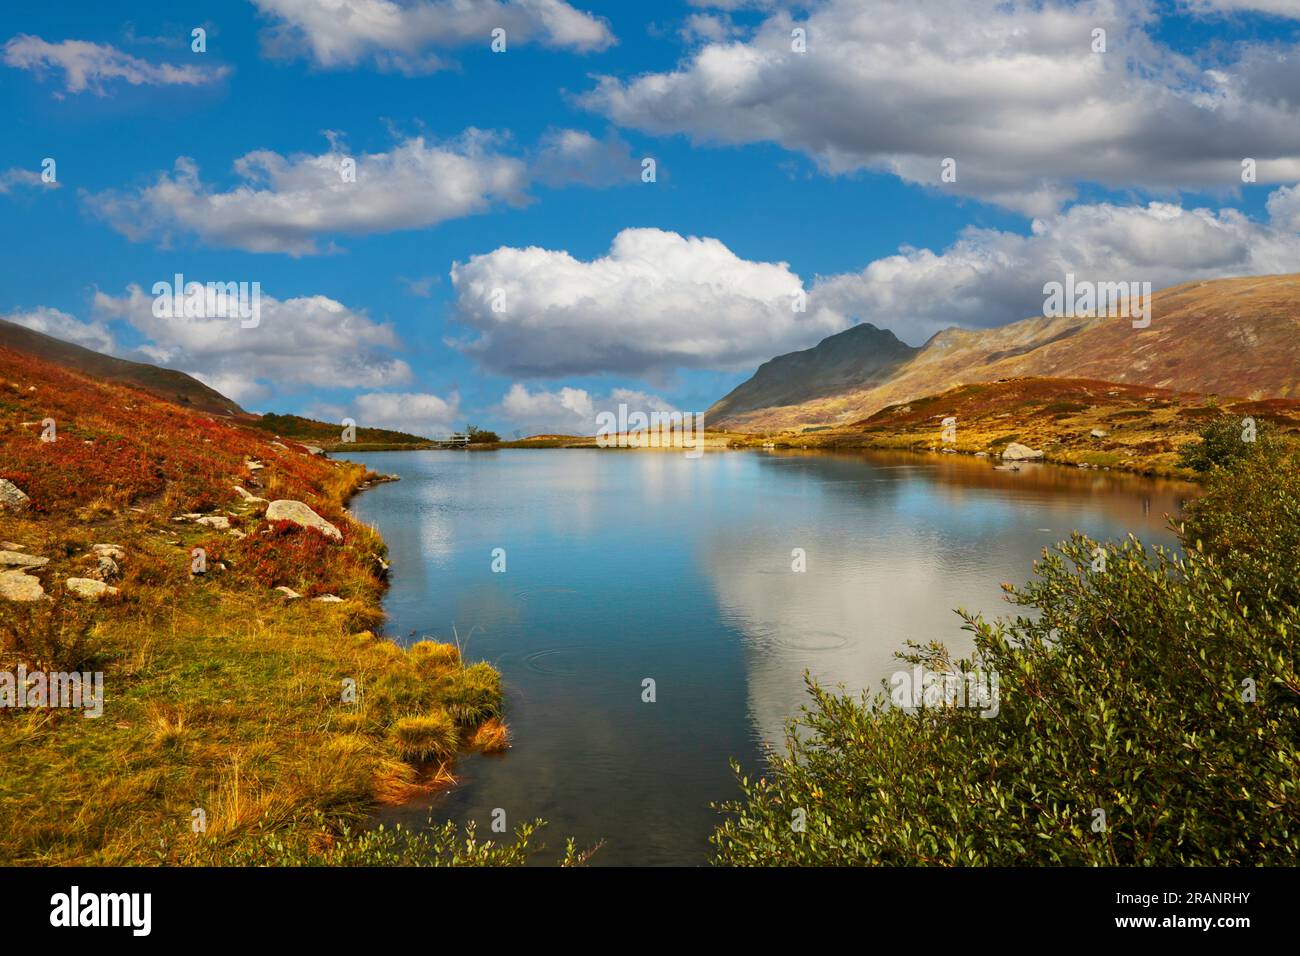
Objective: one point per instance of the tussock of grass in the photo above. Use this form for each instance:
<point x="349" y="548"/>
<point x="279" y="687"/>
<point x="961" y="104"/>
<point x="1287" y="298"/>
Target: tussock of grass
<point x="422" y="738"/>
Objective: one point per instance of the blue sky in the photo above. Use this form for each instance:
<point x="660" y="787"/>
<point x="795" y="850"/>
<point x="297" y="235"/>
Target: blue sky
<point x="777" y="170"/>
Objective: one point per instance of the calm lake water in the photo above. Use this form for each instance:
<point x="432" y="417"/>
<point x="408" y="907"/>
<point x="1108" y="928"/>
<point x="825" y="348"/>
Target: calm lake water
<point x="622" y="566"/>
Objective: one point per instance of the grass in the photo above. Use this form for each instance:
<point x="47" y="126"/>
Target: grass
<point x="232" y="716"/>
<point x="1144" y="428"/>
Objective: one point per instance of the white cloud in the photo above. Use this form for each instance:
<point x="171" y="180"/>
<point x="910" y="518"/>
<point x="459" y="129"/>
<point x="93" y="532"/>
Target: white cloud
<point x="419" y="413"/>
<point x="1281" y="8"/>
<point x="657" y="302"/>
<point x="570" y="156"/>
<point x="288" y="204"/>
<point x="14" y="177"/>
<point x="61" y="325"/>
<point x="89" y="66"/>
<point x="989" y="277"/>
<point x="298" y="343"/>
<point x="399" y="36"/>
<point x="1284" y="208"/>
<point x="1011" y="90"/>
<point x="569" y="411"/>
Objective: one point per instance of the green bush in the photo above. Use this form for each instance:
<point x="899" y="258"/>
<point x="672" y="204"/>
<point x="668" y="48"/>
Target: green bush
<point x="1227" y="440"/>
<point x="1159" y="689"/>
<point x="438" y="844"/>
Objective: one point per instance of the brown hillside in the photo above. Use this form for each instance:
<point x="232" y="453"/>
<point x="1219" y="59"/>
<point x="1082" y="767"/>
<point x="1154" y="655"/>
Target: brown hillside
<point x="1238" y="337"/>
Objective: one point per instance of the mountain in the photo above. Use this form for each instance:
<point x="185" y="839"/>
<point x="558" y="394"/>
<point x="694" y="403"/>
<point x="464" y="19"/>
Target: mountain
<point x="857" y="358"/>
<point x="166" y="383"/>
<point x="1232" y="337"/>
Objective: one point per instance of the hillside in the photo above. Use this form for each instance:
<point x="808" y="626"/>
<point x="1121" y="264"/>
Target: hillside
<point x="164" y="382"/>
<point x="327" y="435"/>
<point x="1080" y="422"/>
<point x="214" y="577"/>
<point x="1231" y="337"/>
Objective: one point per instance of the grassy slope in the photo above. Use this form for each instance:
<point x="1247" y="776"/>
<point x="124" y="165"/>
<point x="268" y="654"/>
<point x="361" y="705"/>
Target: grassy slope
<point x="220" y="695"/>
<point x="1227" y="337"/>
<point x="167" y="383"/>
<point x="1145" y="426"/>
<point x="329" y="436"/>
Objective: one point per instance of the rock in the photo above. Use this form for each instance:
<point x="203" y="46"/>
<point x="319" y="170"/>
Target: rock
<point x="285" y="509"/>
<point x="220" y="522"/>
<point x="12" y="497"/>
<point x="16" y="559"/>
<point x="329" y="599"/>
<point x="981" y="454"/>
<point x="289" y="593"/>
<point x="88" y="587"/>
<point x="114" y="551"/>
<point x="248" y="496"/>
<point x="1099" y="433"/>
<point x="20" y="586"/>
<point x="314" y="449"/>
<point x="107" y="569"/>
<point x="11" y="546"/>
<point x="237" y="534"/>
<point x="1012" y="467"/>
<point x="1018" y="452"/>
<point x="254" y="465"/>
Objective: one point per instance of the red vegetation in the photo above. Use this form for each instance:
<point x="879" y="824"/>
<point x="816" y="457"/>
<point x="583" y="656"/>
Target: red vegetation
<point x="117" y="446"/>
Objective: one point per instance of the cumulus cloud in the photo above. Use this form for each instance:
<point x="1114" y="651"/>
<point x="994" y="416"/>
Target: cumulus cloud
<point x="299" y="342"/>
<point x="419" y="413"/>
<point x="989" y="277"/>
<point x="288" y="204"/>
<point x="61" y="325"/>
<point x="90" y="66"/>
<point x="569" y="411"/>
<point x="1010" y="89"/>
<point x="402" y="36"/>
<point x="657" y="302"/>
<point x="574" y="157"/>
<point x="11" y="179"/>
<point x="1281" y="8"/>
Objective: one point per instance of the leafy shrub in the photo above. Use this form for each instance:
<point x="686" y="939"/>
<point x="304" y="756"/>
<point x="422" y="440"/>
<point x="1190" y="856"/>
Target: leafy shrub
<point x="1149" y="715"/>
<point x="437" y="844"/>
<point x="1224" y="441"/>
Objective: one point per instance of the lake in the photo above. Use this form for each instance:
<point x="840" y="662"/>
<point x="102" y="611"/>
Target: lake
<point x="625" y="565"/>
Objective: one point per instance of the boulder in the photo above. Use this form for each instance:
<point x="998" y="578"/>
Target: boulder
<point x="285" y="509"/>
<point x="248" y="496"/>
<point x="107" y="569"/>
<point x="220" y="522"/>
<point x="114" y="551"/>
<point x="88" y="587"/>
<point x="1099" y="433"/>
<point x="289" y="593"/>
<point x="328" y="599"/>
<point x="1018" y="452"/>
<point x="314" y="449"/>
<point x="20" y="586"/>
<point x="12" y="497"/>
<point x="16" y="559"/>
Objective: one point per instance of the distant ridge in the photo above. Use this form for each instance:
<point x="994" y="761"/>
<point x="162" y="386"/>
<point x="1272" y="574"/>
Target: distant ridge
<point x="166" y="383"/>
<point x="1230" y="337"/>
